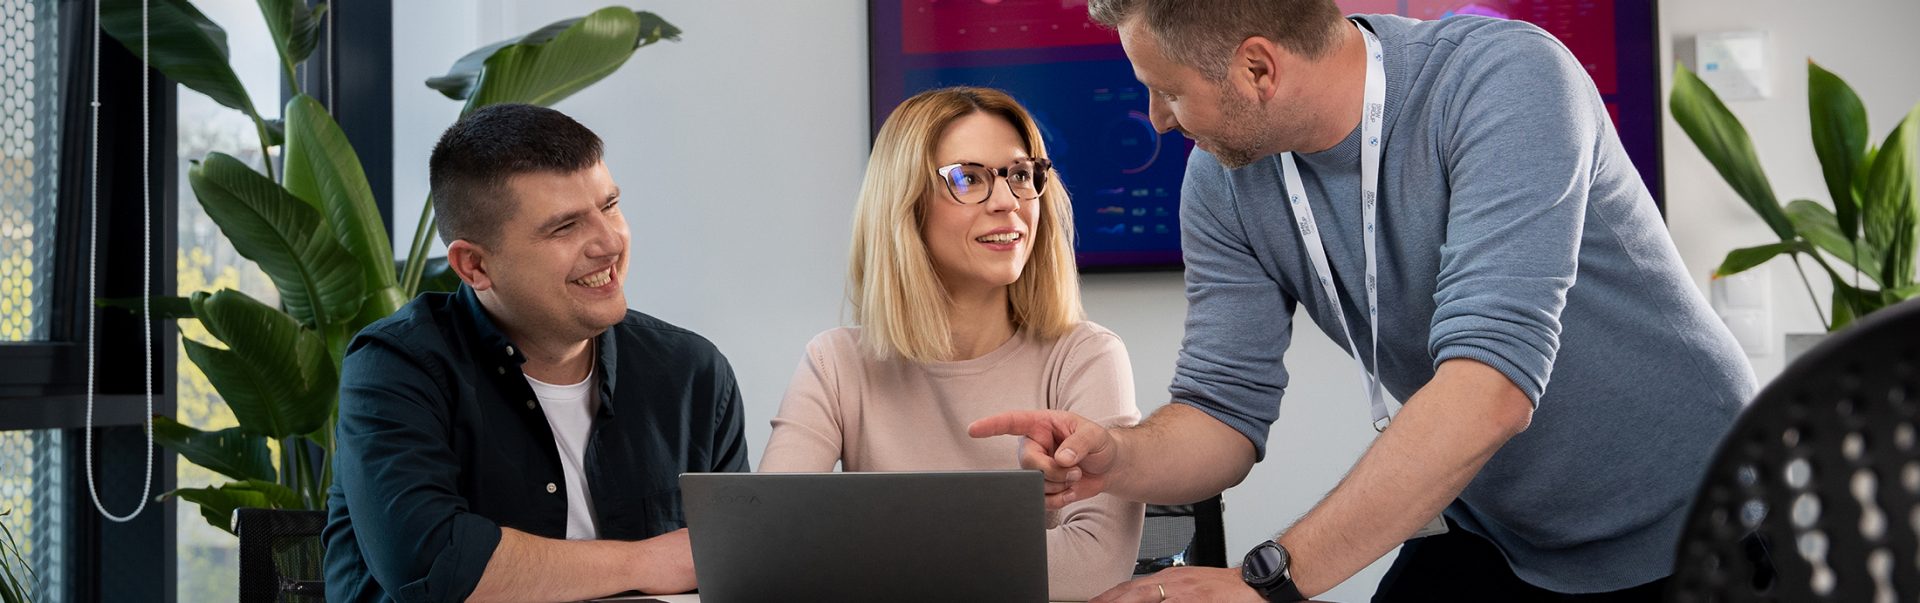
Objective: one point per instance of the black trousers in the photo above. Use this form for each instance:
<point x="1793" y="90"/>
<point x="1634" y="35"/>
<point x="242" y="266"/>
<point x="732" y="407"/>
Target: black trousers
<point x="1460" y="566"/>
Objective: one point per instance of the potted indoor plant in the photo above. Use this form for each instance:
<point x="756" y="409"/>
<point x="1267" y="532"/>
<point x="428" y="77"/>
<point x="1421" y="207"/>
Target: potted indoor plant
<point x="1863" y="245"/>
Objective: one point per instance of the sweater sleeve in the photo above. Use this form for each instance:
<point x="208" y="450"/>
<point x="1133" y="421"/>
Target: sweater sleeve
<point x="806" y="432"/>
<point x="1239" y="319"/>
<point x="1092" y="544"/>
<point x="1520" y="162"/>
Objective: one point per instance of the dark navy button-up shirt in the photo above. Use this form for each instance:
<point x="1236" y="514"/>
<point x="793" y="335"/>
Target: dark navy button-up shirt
<point x="440" y="445"/>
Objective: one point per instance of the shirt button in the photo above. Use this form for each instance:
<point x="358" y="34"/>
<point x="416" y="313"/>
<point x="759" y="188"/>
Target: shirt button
<point x="509" y="350"/>
<point x="551" y="488"/>
<point x="503" y="370"/>
<point x="530" y="405"/>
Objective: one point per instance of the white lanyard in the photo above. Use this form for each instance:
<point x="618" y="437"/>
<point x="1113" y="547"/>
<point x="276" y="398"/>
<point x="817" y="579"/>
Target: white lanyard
<point x="1372" y="111"/>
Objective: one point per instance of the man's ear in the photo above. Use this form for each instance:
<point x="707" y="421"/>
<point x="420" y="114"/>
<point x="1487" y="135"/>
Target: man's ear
<point x="469" y="261"/>
<point x="1255" y="68"/>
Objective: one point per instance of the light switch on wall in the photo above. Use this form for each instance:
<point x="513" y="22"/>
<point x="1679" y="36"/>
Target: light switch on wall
<point x="1745" y="302"/>
<point x="1734" y="64"/>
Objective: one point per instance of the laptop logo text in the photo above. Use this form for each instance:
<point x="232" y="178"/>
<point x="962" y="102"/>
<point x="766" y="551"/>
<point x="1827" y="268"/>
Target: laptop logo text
<point x="735" y="496"/>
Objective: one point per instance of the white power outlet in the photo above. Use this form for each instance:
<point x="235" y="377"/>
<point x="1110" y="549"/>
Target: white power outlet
<point x="1734" y="64"/>
<point x="1745" y="302"/>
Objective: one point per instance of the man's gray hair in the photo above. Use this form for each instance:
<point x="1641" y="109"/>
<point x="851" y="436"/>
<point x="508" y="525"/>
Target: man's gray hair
<point x="1203" y="33"/>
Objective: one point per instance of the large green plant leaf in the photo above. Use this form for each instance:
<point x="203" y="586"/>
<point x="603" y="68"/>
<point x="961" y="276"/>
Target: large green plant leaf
<point x="1851" y="303"/>
<point x="318" y="279"/>
<point x="1845" y="306"/>
<point x="1720" y="137"/>
<point x="230" y="452"/>
<point x="1819" y="226"/>
<point x="295" y="29"/>
<point x="275" y="375"/>
<point x="1839" y="139"/>
<point x="186" y="46"/>
<point x="1890" y="209"/>
<point x="1864" y="171"/>
<point x="217" y="504"/>
<point x="322" y="169"/>
<point x="1740" y="260"/>
<point x="463" y="79"/>
<point x="1895" y="296"/>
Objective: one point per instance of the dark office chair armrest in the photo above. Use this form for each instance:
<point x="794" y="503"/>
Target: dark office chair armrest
<point x="1176" y="535"/>
<point x="281" y="555"/>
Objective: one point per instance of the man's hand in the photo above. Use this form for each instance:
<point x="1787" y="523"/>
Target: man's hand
<point x="666" y="564"/>
<point x="1183" y="584"/>
<point x="1073" y="453"/>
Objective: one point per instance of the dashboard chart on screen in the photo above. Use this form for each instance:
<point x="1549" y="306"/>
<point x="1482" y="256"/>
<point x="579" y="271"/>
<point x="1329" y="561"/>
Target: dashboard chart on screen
<point x="1123" y="176"/>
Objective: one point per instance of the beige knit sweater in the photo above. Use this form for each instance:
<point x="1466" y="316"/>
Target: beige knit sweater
<point x="896" y="415"/>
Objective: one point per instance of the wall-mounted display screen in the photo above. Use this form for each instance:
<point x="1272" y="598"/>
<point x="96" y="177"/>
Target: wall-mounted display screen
<point x="1123" y="176"/>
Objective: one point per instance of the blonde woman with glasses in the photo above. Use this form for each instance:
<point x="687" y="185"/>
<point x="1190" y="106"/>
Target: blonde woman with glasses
<point x="967" y="304"/>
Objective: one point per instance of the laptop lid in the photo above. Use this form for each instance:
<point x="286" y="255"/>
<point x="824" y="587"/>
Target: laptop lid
<point x="936" y="536"/>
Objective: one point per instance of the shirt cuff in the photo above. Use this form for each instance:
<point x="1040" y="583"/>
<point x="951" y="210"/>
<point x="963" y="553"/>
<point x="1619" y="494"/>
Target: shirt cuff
<point x="457" y="569"/>
<point x="1533" y="387"/>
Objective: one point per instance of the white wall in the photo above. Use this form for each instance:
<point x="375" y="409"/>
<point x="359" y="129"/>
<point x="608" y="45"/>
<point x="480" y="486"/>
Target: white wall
<point x="741" y="150"/>
<point x="420" y="113"/>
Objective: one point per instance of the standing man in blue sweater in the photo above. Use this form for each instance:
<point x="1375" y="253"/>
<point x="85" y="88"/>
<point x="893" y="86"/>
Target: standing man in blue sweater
<point x="1449" y="201"/>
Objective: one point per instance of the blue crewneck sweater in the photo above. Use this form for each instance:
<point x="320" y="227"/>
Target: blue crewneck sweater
<point x="1514" y="232"/>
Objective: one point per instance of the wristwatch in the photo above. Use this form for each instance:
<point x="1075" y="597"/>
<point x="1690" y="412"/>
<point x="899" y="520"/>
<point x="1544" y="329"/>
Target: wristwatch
<point x="1267" y="569"/>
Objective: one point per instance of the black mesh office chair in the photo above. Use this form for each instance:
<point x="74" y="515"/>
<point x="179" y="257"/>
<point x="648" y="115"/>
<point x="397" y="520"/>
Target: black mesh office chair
<point x="280" y="555"/>
<point x="1815" y="493"/>
<point x="1175" y="535"/>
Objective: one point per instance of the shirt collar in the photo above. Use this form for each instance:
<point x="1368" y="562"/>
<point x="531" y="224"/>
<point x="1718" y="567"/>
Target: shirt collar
<point x="490" y="343"/>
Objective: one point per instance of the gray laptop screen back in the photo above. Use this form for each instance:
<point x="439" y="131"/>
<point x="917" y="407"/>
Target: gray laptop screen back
<point x="946" y="536"/>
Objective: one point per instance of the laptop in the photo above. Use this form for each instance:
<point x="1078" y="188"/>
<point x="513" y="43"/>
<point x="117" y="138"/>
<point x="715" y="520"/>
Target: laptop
<point x="936" y="536"/>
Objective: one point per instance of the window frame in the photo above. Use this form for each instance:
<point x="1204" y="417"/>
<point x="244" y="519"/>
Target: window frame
<point x="44" y="386"/>
<point x="43" y="383"/>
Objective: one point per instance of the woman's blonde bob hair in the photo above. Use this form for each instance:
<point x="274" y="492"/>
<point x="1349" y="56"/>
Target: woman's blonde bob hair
<point x="898" y="300"/>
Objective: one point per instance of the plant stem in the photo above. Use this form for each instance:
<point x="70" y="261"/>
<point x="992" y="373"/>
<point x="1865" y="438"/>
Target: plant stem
<point x="1825" y="322"/>
<point x="326" y="451"/>
<point x="293" y="78"/>
<point x="266" y="157"/>
<point x="306" y="477"/>
<point x="295" y="470"/>
<point x="290" y="470"/>
<point x="326" y="480"/>
<point x="417" y="251"/>
<point x="423" y="250"/>
<point x="287" y="476"/>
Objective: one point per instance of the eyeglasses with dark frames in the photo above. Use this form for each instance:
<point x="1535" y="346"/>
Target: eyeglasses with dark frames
<point x="972" y="183"/>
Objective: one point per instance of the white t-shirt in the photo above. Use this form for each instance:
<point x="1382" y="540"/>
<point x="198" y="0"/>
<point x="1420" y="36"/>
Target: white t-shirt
<point x="570" y="410"/>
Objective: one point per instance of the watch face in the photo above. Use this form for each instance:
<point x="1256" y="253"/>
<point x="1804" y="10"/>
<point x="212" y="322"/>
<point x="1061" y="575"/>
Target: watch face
<point x="1264" y="563"/>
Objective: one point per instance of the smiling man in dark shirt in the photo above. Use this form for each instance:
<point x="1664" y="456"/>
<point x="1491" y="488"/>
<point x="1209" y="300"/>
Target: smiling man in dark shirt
<point x="522" y="437"/>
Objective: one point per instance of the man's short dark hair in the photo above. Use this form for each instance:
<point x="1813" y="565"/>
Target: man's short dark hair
<point x="1202" y="35"/>
<point x="477" y="155"/>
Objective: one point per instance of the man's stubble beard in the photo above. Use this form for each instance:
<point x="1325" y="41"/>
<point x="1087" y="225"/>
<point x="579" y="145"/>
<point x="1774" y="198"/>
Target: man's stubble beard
<point x="1240" y="145"/>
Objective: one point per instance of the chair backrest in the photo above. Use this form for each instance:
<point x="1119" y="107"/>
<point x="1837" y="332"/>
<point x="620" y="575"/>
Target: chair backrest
<point x="1814" y="494"/>
<point x="281" y="553"/>
<point x="1175" y="535"/>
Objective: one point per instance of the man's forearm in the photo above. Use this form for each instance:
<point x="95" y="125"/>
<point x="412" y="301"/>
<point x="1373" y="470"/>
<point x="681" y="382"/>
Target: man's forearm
<point x="1440" y="440"/>
<point x="1178" y="456"/>
<point x="525" y="567"/>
